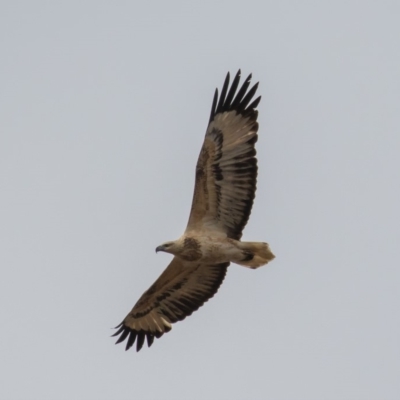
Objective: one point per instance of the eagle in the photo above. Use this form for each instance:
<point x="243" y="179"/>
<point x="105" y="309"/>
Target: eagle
<point x="224" y="191"/>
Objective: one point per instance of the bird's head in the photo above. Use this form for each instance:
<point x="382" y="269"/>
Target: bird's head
<point x="168" y="247"/>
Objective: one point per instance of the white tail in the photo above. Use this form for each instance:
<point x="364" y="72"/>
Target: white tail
<point x="255" y="254"/>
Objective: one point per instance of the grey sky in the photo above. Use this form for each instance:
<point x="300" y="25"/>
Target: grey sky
<point x="103" y="109"/>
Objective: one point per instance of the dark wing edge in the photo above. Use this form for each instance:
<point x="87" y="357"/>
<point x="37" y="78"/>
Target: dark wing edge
<point x="228" y="101"/>
<point x="171" y="303"/>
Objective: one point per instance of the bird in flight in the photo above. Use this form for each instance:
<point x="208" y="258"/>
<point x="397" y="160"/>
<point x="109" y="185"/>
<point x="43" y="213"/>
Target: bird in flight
<point x="224" y="191"/>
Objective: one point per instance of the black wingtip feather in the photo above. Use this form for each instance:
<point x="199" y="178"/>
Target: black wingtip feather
<point x="233" y="100"/>
<point x="131" y="339"/>
<point x="246" y="100"/>
<point x="254" y="104"/>
<point x="140" y="340"/>
<point x="223" y="94"/>
<point x="240" y="94"/>
<point x="150" y="339"/>
<point x="214" y="105"/>
<point x="232" y="91"/>
<point x="125" y="333"/>
<point x="118" y="331"/>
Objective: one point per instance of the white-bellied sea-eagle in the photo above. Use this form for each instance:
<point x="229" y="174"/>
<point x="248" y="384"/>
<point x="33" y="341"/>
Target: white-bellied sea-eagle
<point x="224" y="192"/>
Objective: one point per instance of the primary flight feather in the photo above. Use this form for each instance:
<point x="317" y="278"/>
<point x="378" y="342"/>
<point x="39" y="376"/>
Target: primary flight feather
<point x="226" y="176"/>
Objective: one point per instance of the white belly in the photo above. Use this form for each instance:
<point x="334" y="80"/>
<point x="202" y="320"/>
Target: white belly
<point x="219" y="250"/>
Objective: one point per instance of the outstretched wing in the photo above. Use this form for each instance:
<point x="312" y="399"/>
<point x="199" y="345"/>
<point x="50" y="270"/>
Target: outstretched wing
<point x="180" y="290"/>
<point x="226" y="171"/>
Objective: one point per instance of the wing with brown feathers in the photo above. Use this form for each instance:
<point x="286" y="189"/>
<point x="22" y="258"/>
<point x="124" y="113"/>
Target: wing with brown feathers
<point x="180" y="290"/>
<point x="226" y="171"/>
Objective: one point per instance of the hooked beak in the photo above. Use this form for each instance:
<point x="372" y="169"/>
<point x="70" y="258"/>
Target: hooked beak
<point x="160" y="248"/>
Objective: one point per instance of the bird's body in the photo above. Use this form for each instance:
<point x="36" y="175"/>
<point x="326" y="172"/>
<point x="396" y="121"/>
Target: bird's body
<point x="215" y="249"/>
<point x="226" y="175"/>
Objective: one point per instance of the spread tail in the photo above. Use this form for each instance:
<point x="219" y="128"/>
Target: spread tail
<point x="255" y="254"/>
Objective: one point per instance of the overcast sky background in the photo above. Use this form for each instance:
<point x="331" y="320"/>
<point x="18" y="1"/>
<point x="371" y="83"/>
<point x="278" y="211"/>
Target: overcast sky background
<point x="103" y="110"/>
